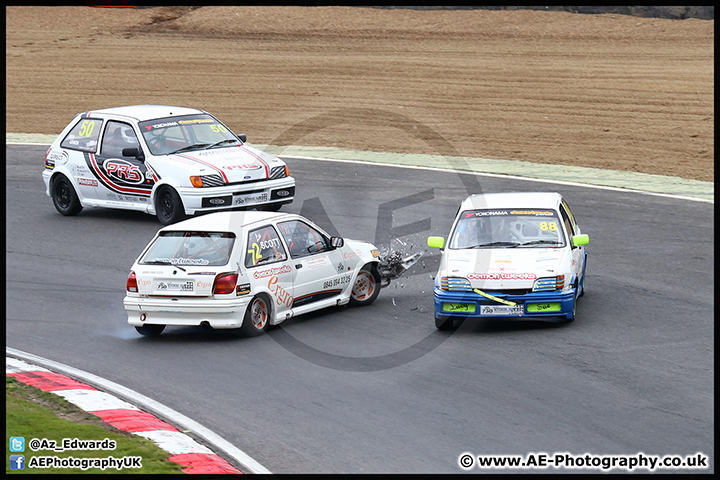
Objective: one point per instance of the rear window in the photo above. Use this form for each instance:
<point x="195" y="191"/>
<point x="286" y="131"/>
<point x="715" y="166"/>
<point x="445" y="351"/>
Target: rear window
<point x="190" y="249"/>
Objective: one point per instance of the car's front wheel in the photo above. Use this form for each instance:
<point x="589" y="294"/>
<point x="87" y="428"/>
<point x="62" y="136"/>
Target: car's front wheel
<point x="257" y="316"/>
<point x="443" y="323"/>
<point x="168" y="206"/>
<point x="366" y="287"/>
<point x="64" y="197"/>
<point x="571" y="317"/>
<point x="150" y="330"/>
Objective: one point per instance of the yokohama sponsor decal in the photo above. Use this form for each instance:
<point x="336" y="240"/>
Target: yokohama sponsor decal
<point x="501" y="276"/>
<point x="122" y="170"/>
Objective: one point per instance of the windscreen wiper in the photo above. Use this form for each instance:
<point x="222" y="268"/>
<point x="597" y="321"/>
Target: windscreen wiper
<point x="164" y="262"/>
<point x="540" y="242"/>
<point x="222" y="142"/>
<point x="190" y="147"/>
<point x="496" y="244"/>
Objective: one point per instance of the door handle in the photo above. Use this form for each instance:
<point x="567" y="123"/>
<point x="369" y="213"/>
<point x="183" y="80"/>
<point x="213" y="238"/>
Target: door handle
<point x="298" y="266"/>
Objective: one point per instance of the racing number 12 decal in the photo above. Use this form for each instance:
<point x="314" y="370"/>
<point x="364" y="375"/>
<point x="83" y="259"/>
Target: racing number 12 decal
<point x="255" y="252"/>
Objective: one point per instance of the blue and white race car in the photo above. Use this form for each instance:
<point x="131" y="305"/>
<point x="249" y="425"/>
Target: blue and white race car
<point x="163" y="160"/>
<point x="511" y="255"/>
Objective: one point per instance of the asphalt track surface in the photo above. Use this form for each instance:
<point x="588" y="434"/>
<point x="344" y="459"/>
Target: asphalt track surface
<point x="379" y="389"/>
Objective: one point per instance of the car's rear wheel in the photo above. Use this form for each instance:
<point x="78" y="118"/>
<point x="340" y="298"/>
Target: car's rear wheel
<point x="64" y="197"/>
<point x="443" y="323"/>
<point x="257" y="316"/>
<point x="168" y="206"/>
<point x="150" y="330"/>
<point x="366" y="287"/>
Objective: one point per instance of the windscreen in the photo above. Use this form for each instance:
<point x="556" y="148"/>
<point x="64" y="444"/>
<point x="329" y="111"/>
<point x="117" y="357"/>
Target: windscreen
<point x="503" y="228"/>
<point x="165" y="136"/>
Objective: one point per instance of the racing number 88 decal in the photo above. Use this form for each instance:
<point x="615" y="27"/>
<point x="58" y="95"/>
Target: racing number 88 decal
<point x="545" y="226"/>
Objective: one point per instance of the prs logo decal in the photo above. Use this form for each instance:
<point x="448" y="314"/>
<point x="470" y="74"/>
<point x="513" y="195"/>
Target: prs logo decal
<point x="123" y="171"/>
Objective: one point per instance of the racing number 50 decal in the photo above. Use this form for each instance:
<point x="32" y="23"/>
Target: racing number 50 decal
<point x="86" y="128"/>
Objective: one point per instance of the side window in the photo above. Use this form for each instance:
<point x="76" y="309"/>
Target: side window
<point x="572" y="218"/>
<point x="117" y="137"/>
<point x="264" y="247"/>
<point x="84" y="135"/>
<point x="568" y="223"/>
<point x="302" y="239"/>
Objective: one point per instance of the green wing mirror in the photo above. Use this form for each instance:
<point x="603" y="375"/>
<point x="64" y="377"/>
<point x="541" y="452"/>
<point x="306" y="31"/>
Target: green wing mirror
<point x="582" y="239"/>
<point x="436" y="242"/>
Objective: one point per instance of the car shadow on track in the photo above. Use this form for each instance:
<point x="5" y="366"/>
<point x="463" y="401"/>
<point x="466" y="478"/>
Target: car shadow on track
<point x="501" y="325"/>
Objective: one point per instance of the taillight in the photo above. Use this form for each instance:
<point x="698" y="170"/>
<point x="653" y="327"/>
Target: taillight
<point x="131" y="283"/>
<point x="48" y="163"/>
<point x="225" y="283"/>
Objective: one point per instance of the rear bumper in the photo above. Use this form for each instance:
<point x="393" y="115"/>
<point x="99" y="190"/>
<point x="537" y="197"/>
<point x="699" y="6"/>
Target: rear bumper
<point x="546" y="306"/>
<point x="218" y="314"/>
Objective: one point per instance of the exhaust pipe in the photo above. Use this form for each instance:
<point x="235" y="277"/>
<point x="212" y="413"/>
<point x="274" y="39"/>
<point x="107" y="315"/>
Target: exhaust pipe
<point x="206" y="325"/>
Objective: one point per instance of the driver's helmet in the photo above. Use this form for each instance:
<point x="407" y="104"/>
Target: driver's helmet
<point x="127" y="134"/>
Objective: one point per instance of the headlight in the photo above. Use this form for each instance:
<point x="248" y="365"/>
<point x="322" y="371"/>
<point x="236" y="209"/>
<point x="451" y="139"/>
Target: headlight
<point x="549" y="284"/>
<point x="279" y="172"/>
<point x="207" y="181"/>
<point x="455" y="284"/>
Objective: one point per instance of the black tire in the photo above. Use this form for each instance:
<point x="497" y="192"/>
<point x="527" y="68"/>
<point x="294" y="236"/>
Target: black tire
<point x="64" y="197"/>
<point x="168" y="206"/>
<point x="574" y="308"/>
<point x="366" y="287"/>
<point x="443" y="323"/>
<point x="257" y="316"/>
<point x="150" y="330"/>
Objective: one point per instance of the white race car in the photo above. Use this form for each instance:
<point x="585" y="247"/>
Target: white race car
<point x="162" y="160"/>
<point x="511" y="255"/>
<point x="246" y="270"/>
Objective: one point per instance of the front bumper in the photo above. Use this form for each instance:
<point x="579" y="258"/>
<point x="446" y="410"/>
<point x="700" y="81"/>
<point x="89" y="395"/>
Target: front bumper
<point x="547" y="306"/>
<point x="218" y="313"/>
<point x="212" y="199"/>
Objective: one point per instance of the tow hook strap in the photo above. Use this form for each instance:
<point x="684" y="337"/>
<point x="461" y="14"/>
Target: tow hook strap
<point x="499" y="300"/>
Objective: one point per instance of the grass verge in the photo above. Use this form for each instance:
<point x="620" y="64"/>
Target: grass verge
<point x="34" y="414"/>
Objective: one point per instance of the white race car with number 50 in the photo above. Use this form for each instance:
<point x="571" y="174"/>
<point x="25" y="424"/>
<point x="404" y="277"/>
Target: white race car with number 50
<point x="162" y="160"/>
<point x="246" y="270"/>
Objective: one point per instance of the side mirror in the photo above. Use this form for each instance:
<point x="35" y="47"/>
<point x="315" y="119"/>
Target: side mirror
<point x="133" y="152"/>
<point x="582" y="239"/>
<point x="242" y="137"/>
<point x="436" y="242"/>
<point x="337" y="242"/>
